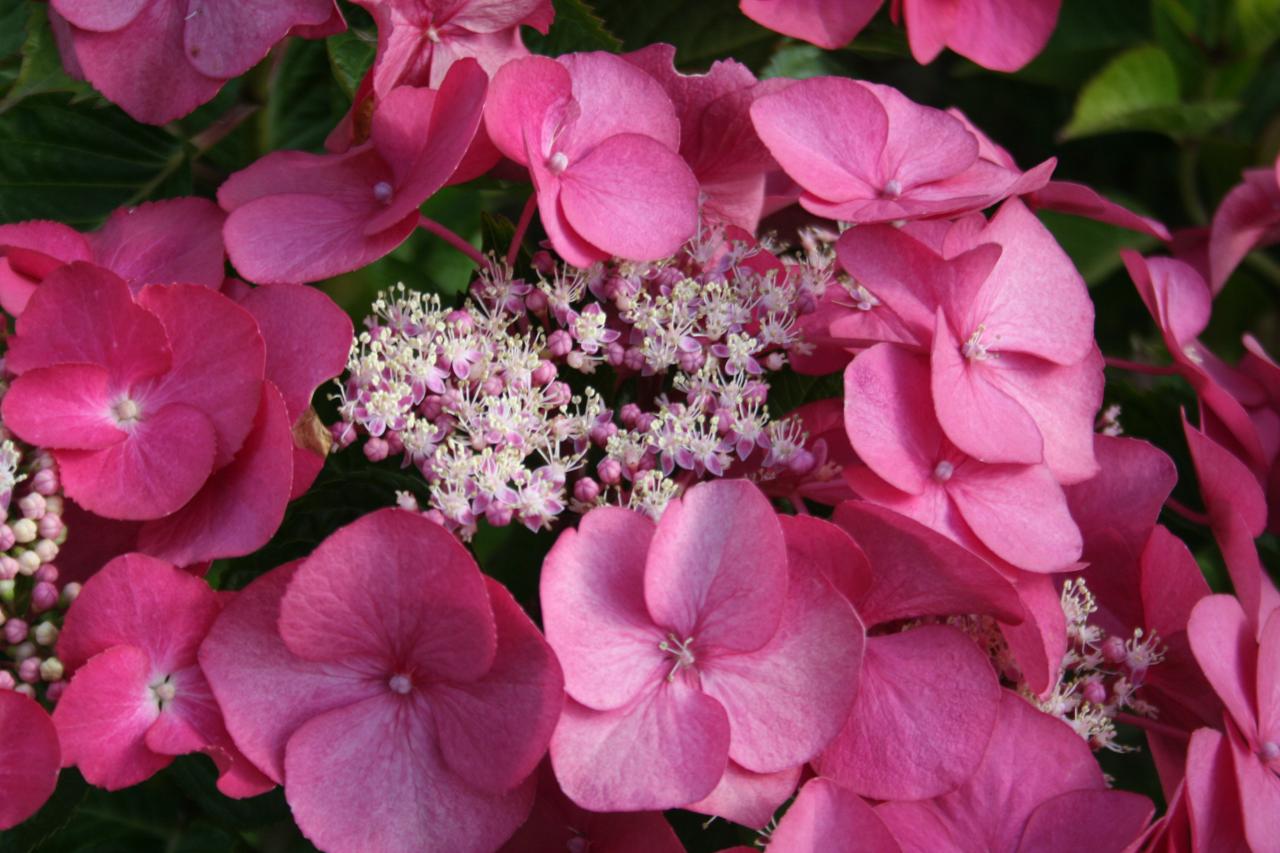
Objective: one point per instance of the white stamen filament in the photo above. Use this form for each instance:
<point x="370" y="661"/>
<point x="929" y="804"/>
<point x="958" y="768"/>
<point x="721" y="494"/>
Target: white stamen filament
<point x="681" y="651"/>
<point x="974" y="349"/>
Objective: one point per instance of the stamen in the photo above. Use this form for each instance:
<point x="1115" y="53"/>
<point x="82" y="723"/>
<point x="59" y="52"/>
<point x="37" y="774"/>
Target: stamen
<point x="974" y="349"/>
<point x="382" y="192"/>
<point x="126" y="412"/>
<point x="893" y="188"/>
<point x="681" y="651"/>
<point x="400" y="683"/>
<point x="558" y="162"/>
<point x="943" y="471"/>
<point x="164" y="691"/>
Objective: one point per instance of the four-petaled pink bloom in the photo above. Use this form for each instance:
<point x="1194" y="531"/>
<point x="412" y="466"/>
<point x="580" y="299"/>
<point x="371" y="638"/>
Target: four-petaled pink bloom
<point x="690" y="647"/>
<point x="397" y="693"/>
<point x="138" y="697"/>
<point x="601" y="139"/>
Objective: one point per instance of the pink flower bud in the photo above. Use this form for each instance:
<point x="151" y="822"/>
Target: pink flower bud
<point x="615" y="353"/>
<point x="1113" y="650"/>
<point x="558" y="394"/>
<point x="29" y="670"/>
<point x="545" y="372"/>
<point x="7" y="681"/>
<point x="576" y="360"/>
<point x="46" y="550"/>
<point x="1095" y="692"/>
<point x="559" y="344"/>
<point x="774" y="361"/>
<point x="343" y="434"/>
<point x="48" y="573"/>
<point x="8" y="568"/>
<point x="610" y="471"/>
<point x="43" y="597"/>
<point x="691" y="360"/>
<point x="28" y="563"/>
<point x="51" y="670"/>
<point x="802" y="462"/>
<point x="629" y="414"/>
<point x="601" y="433"/>
<point x="497" y="514"/>
<point x="586" y="490"/>
<point x="492" y="386"/>
<point x="536" y="302"/>
<point x="634" y="359"/>
<point x="32" y="506"/>
<point x="543" y="262"/>
<point x="7" y="539"/>
<point x="26" y="690"/>
<point x="644" y="422"/>
<point x="461" y="320"/>
<point x="395" y="444"/>
<point x="50" y="526"/>
<point x="376" y="449"/>
<point x="45" y="482"/>
<point x="54" y="691"/>
<point x="436" y="516"/>
<point x="24" y="530"/>
<point x="15" y="631"/>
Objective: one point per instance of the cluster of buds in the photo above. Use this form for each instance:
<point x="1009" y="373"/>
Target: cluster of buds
<point x="1101" y="674"/>
<point x="32" y="601"/>
<point x="478" y="399"/>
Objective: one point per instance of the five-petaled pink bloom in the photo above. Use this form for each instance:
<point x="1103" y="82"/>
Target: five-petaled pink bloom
<point x="690" y="648"/>
<point x="396" y="692"/>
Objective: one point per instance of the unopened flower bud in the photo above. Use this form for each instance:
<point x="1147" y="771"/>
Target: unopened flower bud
<point x="51" y="670"/>
<point x="775" y="361"/>
<point x="69" y="593"/>
<point x="29" y="670"/>
<point x="395" y="444"/>
<point x="601" y="433"/>
<point x="7" y="681"/>
<point x="634" y="359"/>
<point x="47" y="550"/>
<point x="54" y="691"/>
<point x="50" y="526"/>
<point x="44" y="597"/>
<point x="28" y="562"/>
<point x="7" y="588"/>
<point x="1095" y="692"/>
<point x="7" y="539"/>
<point x="8" y="568"/>
<point x="24" y="530"/>
<point x="629" y="414"/>
<point x="45" y="482"/>
<point x="46" y="634"/>
<point x="375" y="450"/>
<point x="53" y="503"/>
<point x="497" y="514"/>
<point x="26" y="690"/>
<point x="15" y="631"/>
<point x="615" y="353"/>
<point x="610" y="471"/>
<point x="544" y="373"/>
<point x="586" y="490"/>
<point x="32" y="506"/>
<point x="543" y="262"/>
<point x="558" y="394"/>
<point x="536" y="302"/>
<point x="406" y="500"/>
<point x="461" y="320"/>
<point x="47" y="573"/>
<point x="1113" y="650"/>
<point x="559" y="344"/>
<point x="492" y="386"/>
<point x="691" y="360"/>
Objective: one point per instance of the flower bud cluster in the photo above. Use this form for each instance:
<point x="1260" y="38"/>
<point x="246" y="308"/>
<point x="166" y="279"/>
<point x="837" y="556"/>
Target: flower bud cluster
<point x="479" y="399"/>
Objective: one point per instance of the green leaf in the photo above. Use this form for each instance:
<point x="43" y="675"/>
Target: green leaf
<point x="701" y="31"/>
<point x="1094" y="247"/>
<point x="13" y="26"/>
<point x="305" y="103"/>
<point x="351" y="55"/>
<point x="78" y="164"/>
<point x="1139" y="90"/>
<point x="799" y="61"/>
<point x="576" y="27"/>
<point x="41" y="70"/>
<point x="1258" y="22"/>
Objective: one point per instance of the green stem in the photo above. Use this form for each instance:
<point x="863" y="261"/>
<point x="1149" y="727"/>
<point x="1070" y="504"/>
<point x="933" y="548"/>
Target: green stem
<point x="1188" y="185"/>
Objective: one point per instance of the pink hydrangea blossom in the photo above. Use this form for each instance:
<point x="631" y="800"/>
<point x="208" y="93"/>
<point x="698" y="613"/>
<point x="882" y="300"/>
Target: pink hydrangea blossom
<point x="689" y="645"/>
<point x="396" y="692"/>
<point x="138" y="697"/>
<point x="717" y="138"/>
<point x="159" y="242"/>
<point x="1003" y="35"/>
<point x="600" y="138"/>
<point x="295" y="216"/>
<point x="160" y="59"/>
<point x="29" y="758"/>
<point x="1018" y="511"/>
<point x="854" y="148"/>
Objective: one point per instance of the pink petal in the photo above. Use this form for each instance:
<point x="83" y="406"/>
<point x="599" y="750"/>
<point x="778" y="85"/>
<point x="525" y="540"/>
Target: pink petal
<point x="137" y="600"/>
<point x="829" y="817"/>
<point x="887" y="414"/>
<point x="186" y="723"/>
<point x="368" y="776"/>
<point x="1246" y="218"/>
<point x="631" y="196"/>
<point x="929" y="25"/>
<point x="922" y="718"/>
<point x="1039" y="642"/>
<point x="969" y="402"/>
<point x="748" y="798"/>
<point x="1213" y="803"/>
<point x="830" y="551"/>
<point x="28" y="764"/>
<point x="1019" y="512"/>
<point x="917" y="572"/>
<point x="952" y="147"/>
<point x="593" y="609"/>
<point x="828" y="134"/>
<point x="161" y="242"/>
<point x="827" y="23"/>
<point x="29" y="251"/>
<point x="103" y="717"/>
<point x="1269" y="679"/>
<point x="668" y="748"/>
<point x="307" y="339"/>
<point x="266" y="692"/>
<point x="1226" y="484"/>
<point x="67" y="406"/>
<point x="1227" y="652"/>
<point x="787" y="699"/>
<point x="1259" y="790"/>
<point x="218" y="360"/>
<point x="396" y="589"/>
<point x="241" y="505"/>
<point x="152" y="41"/>
<point x="520" y="97"/>
<point x="603" y="82"/>
<point x="1003" y="35"/>
<point x="1080" y="200"/>
<point x="1129" y="491"/>
<point x="98" y="16"/>
<point x="1116" y="821"/>
<point x="166" y="458"/>
<point x="1171" y="583"/>
<point x="717" y="568"/>
<point x="493" y="731"/>
<point x="85" y="314"/>
<point x="226" y="40"/>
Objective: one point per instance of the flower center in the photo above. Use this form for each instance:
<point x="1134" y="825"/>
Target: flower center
<point x="382" y="192"/>
<point x="400" y="683"/>
<point x="943" y="471"/>
<point x="893" y="188"/>
<point x="433" y="35"/>
<point x="681" y="651"/>
<point x="974" y="349"/>
<point x="163" y="691"/>
<point x="558" y="162"/>
<point x="126" y="412"/>
<point x="1270" y="751"/>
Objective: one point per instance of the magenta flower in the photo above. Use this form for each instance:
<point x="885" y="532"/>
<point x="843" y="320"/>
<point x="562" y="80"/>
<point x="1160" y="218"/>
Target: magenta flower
<point x="138" y="696"/>
<point x="160" y="59"/>
<point x="29" y="758"/>
<point x="1247" y="218"/>
<point x="829" y="817"/>
<point x="1242" y="662"/>
<point x="1014" y="372"/>
<point x="855" y="149"/>
<point x="689" y="645"/>
<point x="170" y="408"/>
<point x="996" y="34"/>
<point x="300" y="217"/>
<point x="155" y="243"/>
<point x="600" y="139"/>
<point x="1016" y="510"/>
<point x="1038" y="788"/>
<point x="717" y="138"/>
<point x="397" y="693"/>
<point x="928" y="695"/>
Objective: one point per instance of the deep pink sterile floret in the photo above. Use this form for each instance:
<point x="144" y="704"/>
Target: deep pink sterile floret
<point x="137" y="696"/>
<point x="689" y="647"/>
<point x="160" y="59"/>
<point x="29" y="757"/>
<point x="295" y="216"/>
<point x="397" y="693"/>
<point x="854" y="147"/>
<point x="600" y="138"/>
<point x="159" y="242"/>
